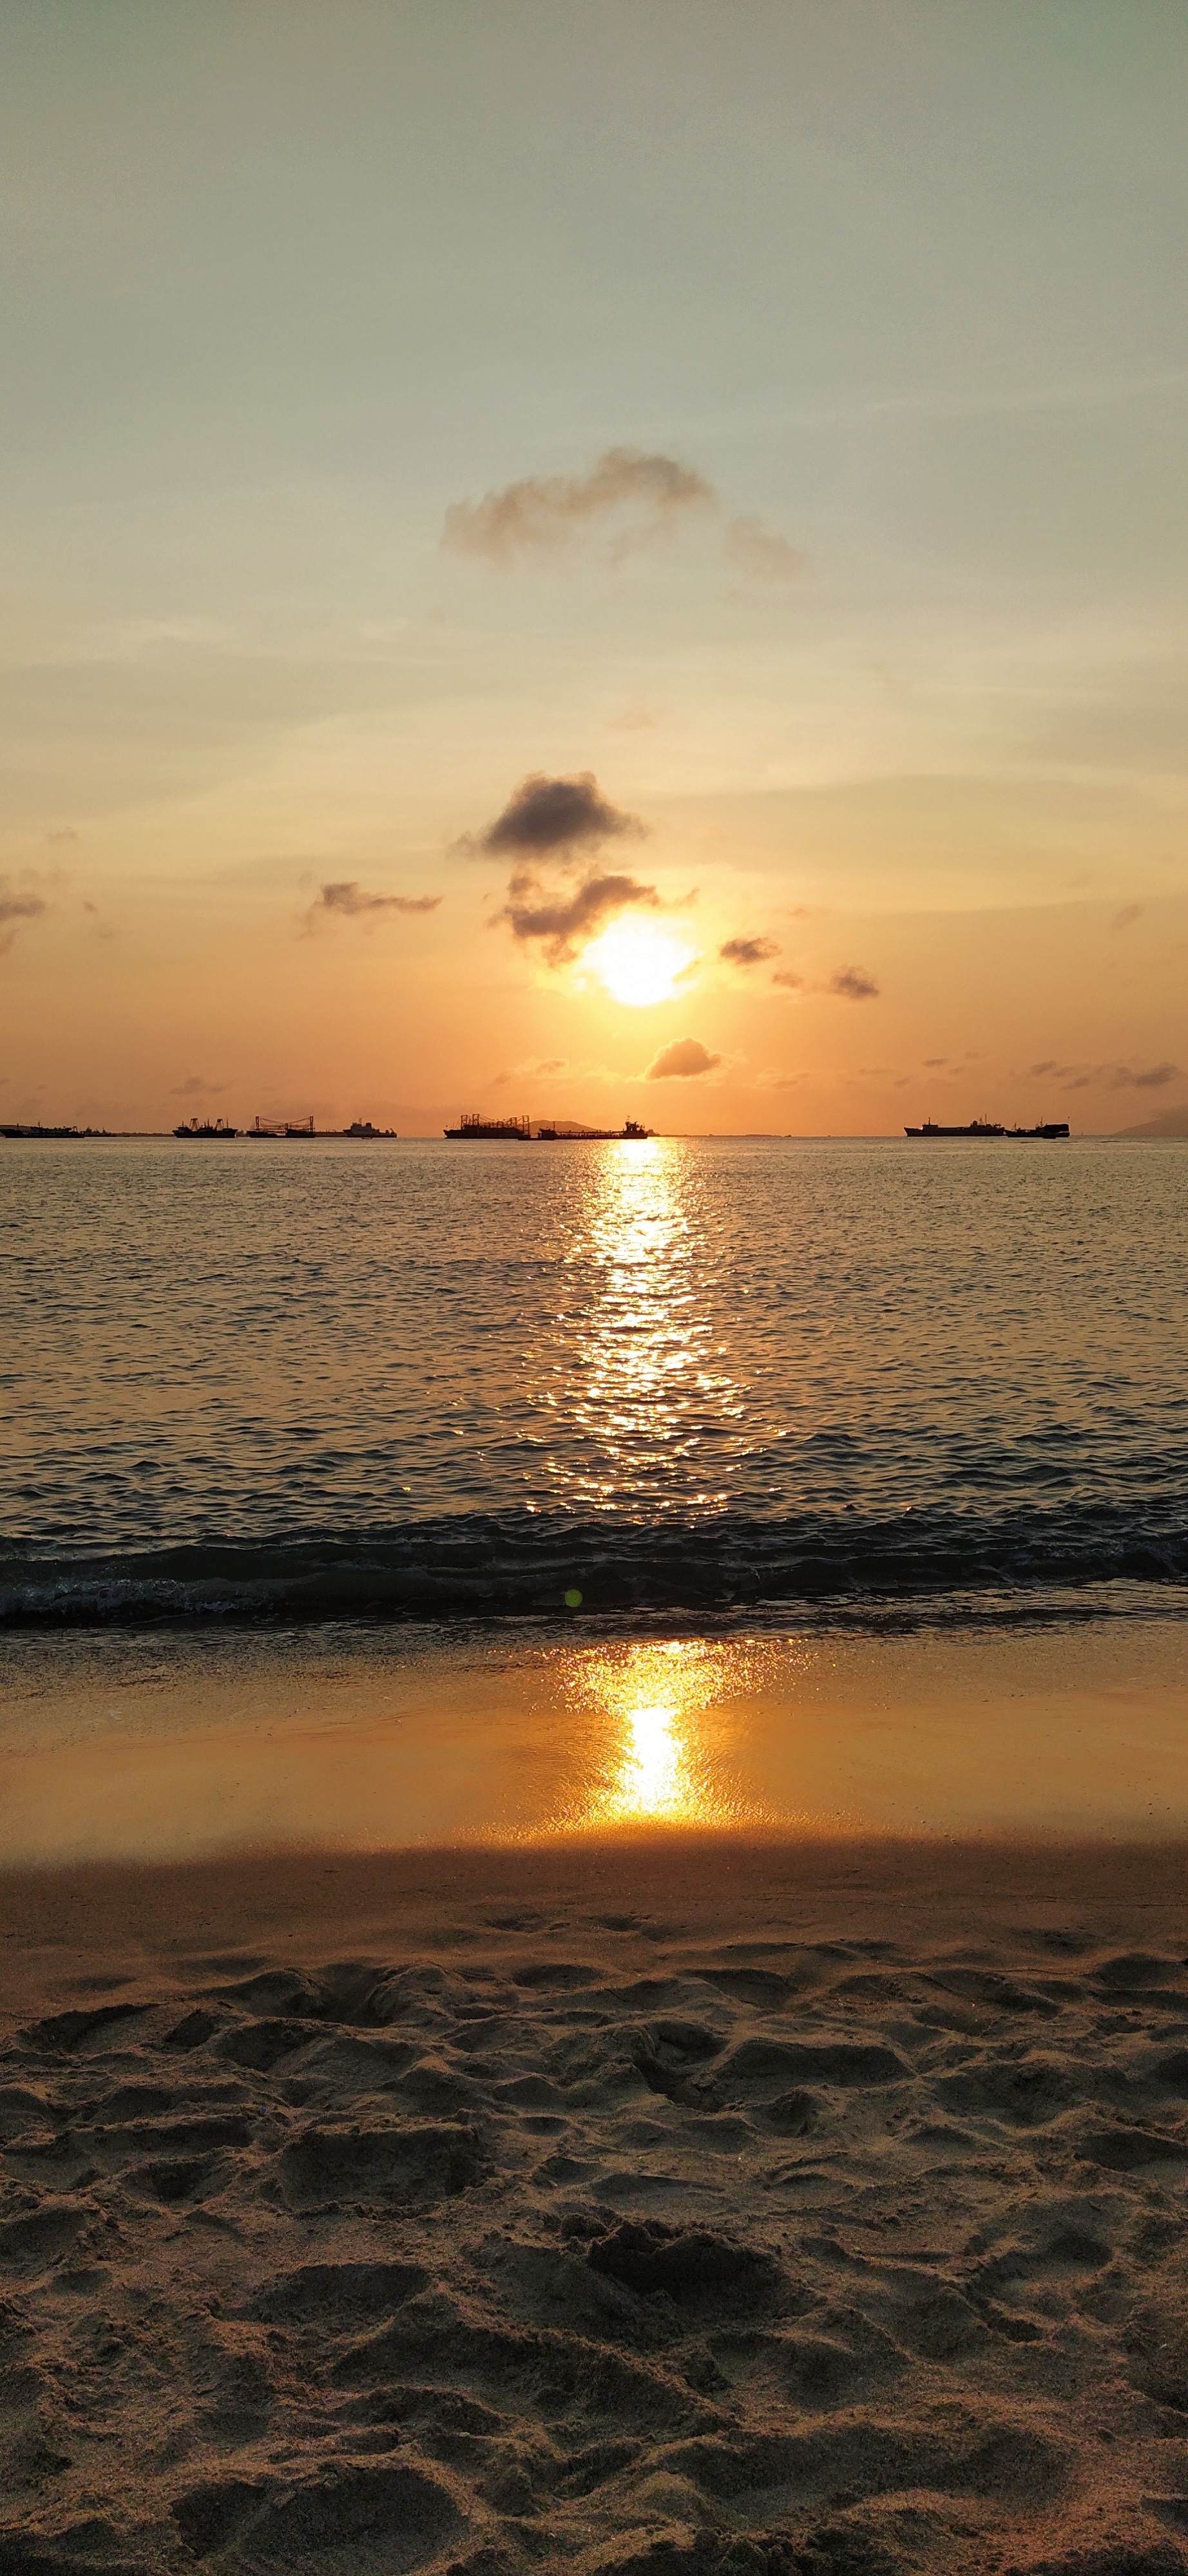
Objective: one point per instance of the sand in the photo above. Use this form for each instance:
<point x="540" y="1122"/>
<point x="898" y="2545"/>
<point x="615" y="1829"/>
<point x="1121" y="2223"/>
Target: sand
<point x="673" y="2203"/>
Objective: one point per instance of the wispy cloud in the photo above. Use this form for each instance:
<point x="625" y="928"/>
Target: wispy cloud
<point x="761" y="553"/>
<point x="545" y="513"/>
<point x="18" y="903"/>
<point x="680" y="1061"/>
<point x="846" y="984"/>
<point x="1109" y="1077"/>
<point x="1126" y="918"/>
<point x="748" y="952"/>
<point x="529" y="1067"/>
<point x="629" y="497"/>
<point x="196" y="1087"/>
<point x="349" y="900"/>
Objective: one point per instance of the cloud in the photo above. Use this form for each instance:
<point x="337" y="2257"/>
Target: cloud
<point x="17" y="904"/>
<point x="748" y="952"/>
<point x="931" y="1062"/>
<point x="196" y="1087"/>
<point x="349" y="898"/>
<point x="633" y="720"/>
<point x="847" y="984"/>
<point x="548" y="816"/>
<point x="685" y="1057"/>
<point x="564" y="923"/>
<point x="1152" y="1078"/>
<point x="546" y="515"/>
<point x="546" y="512"/>
<point x="852" y="985"/>
<point x="1130" y="913"/>
<point x="761" y="552"/>
<point x="1114" y="1077"/>
<point x="531" y="1064"/>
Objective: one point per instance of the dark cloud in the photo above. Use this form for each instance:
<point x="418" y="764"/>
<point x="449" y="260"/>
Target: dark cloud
<point x="791" y="983"/>
<point x="685" y="1056"/>
<point x="748" y="952"/>
<point x="1124" y="920"/>
<point x="761" y="552"/>
<point x="196" y="1087"/>
<point x="17" y="904"/>
<point x="548" y="816"/>
<point x="564" y="923"/>
<point x="349" y="898"/>
<point x="546" y="512"/>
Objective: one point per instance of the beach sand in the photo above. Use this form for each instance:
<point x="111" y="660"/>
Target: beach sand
<point x="667" y="2201"/>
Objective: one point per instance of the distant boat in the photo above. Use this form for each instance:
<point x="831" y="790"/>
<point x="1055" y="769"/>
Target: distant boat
<point x="976" y="1127"/>
<point x="363" y="1127"/>
<point x="988" y="1127"/>
<point x="282" y="1127"/>
<point x="205" y="1127"/>
<point x="38" y="1131"/>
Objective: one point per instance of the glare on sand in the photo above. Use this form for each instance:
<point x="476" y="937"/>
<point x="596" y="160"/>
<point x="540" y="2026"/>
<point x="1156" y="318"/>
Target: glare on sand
<point x="655" y="1765"/>
<point x="638" y="963"/>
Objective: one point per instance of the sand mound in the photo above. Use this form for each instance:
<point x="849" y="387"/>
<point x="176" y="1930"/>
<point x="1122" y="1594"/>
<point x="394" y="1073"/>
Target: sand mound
<point x="603" y="2242"/>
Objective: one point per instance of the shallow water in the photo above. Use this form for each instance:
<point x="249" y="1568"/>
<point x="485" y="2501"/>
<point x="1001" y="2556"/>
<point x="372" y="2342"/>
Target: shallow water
<point x="425" y="1379"/>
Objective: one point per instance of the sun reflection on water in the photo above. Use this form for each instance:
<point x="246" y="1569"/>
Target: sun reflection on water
<point x="648" y="1392"/>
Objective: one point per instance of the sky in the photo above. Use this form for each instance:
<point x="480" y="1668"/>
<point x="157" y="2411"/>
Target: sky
<point x="594" y="558"/>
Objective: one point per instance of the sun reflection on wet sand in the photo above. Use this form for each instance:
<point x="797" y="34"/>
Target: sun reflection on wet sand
<point x="656" y="1764"/>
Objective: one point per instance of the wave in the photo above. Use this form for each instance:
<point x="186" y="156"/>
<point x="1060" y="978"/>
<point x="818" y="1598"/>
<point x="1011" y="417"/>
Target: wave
<point x="492" y="1566"/>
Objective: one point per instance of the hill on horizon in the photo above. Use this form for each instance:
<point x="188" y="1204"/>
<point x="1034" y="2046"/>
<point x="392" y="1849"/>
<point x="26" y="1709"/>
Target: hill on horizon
<point x="1170" y="1122"/>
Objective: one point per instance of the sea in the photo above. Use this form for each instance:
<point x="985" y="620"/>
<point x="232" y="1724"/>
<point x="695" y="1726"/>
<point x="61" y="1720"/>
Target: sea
<point x="375" y="1492"/>
<point x="695" y="1378"/>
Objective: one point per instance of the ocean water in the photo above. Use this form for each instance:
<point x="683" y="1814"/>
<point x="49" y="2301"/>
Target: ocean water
<point x="705" y="1378"/>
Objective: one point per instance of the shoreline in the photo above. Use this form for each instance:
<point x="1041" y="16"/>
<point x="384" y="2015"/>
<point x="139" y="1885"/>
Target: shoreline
<point x="672" y="2205"/>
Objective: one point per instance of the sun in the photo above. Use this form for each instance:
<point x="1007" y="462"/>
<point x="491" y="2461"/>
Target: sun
<point x="638" y="963"/>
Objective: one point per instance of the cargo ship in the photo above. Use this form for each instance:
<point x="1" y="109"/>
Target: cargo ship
<point x="568" y="1132"/>
<point x="205" y="1127"/>
<point x="988" y="1127"/>
<point x="475" y="1129"/>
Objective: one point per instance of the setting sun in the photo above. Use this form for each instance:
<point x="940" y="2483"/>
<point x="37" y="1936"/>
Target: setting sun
<point x="637" y="963"/>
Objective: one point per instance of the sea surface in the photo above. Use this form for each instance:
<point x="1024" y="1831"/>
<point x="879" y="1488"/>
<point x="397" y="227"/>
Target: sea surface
<point x="429" y="1381"/>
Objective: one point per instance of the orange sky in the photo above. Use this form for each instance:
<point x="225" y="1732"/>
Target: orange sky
<point x="783" y="435"/>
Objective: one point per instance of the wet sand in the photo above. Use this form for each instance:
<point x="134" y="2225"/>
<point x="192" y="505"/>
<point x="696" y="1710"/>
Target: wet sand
<point x="680" y="2201"/>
